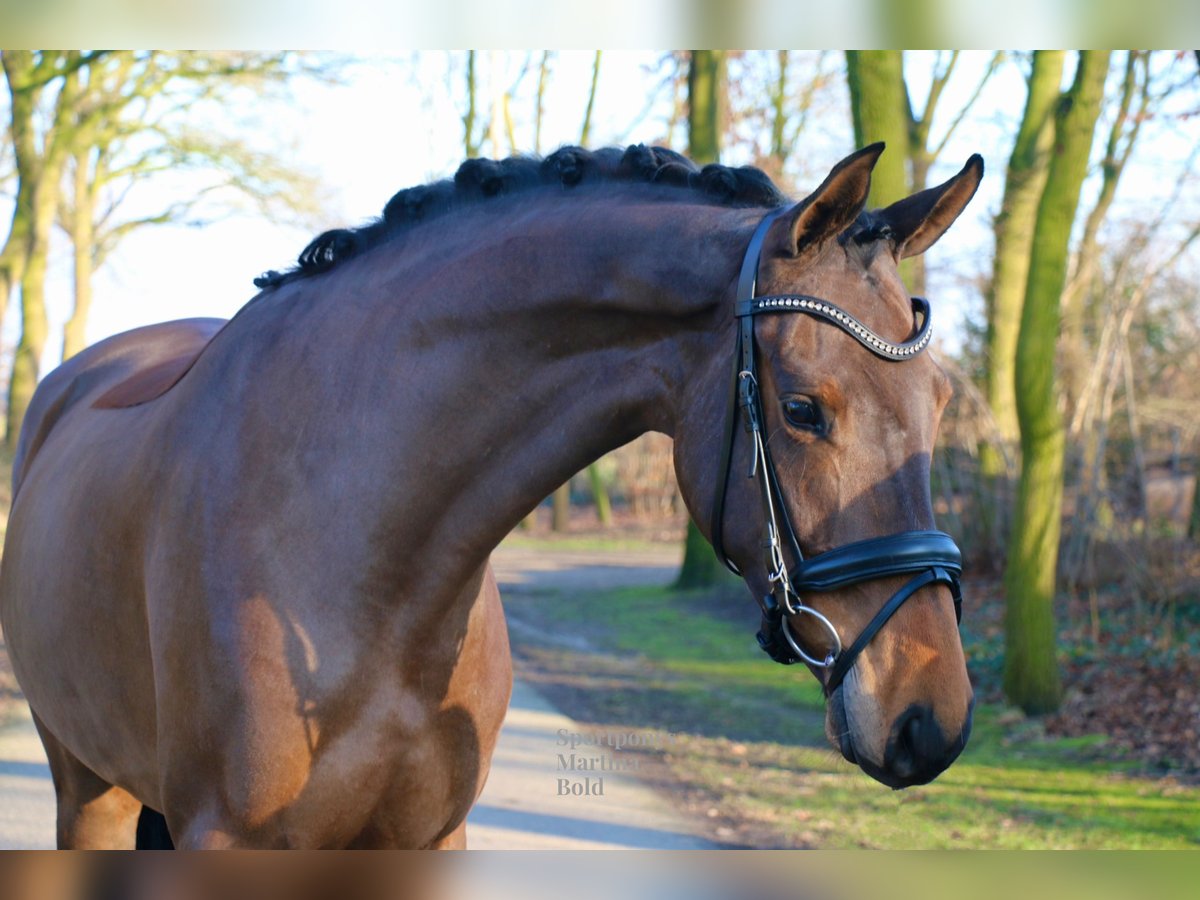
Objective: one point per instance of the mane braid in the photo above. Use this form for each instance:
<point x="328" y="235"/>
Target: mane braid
<point x="478" y="180"/>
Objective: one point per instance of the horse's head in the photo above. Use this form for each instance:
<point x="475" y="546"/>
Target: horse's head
<point x="847" y="406"/>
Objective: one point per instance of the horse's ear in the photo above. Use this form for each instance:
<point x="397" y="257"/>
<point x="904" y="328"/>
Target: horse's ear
<point x="917" y="221"/>
<point x="828" y="210"/>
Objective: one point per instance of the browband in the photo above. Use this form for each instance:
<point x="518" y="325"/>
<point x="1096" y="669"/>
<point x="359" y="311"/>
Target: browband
<point x="823" y="309"/>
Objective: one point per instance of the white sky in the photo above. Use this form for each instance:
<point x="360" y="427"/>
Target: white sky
<point x="395" y="124"/>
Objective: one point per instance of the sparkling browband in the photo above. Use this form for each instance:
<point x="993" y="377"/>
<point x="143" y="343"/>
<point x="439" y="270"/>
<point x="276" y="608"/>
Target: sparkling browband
<point x="823" y="309"/>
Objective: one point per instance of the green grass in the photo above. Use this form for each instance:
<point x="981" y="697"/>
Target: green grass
<point x="751" y="739"/>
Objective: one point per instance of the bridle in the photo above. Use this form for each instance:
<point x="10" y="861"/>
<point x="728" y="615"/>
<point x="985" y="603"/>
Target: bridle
<point x="931" y="557"/>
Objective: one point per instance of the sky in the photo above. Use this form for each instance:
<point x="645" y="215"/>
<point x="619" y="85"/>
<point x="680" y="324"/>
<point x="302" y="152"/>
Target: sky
<point x="395" y="122"/>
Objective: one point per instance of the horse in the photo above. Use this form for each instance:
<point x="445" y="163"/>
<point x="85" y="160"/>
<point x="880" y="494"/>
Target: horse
<point x="246" y="582"/>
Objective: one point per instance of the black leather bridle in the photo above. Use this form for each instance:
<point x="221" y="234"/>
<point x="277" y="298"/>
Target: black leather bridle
<point x="931" y="557"/>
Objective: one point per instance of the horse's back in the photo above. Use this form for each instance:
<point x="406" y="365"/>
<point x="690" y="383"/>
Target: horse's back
<point x="125" y="370"/>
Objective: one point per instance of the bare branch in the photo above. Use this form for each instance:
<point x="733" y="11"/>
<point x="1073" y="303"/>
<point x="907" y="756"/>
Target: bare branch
<point x="993" y="65"/>
<point x="586" y="130"/>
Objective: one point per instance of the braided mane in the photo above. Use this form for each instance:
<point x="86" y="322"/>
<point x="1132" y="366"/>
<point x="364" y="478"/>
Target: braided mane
<point x="478" y="180"/>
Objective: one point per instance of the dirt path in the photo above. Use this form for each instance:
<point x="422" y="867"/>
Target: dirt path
<point x="527" y="569"/>
<point x="523" y="805"/>
<point x="531" y="801"/>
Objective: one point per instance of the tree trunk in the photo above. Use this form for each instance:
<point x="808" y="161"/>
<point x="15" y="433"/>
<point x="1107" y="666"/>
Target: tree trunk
<point x="1031" y="677"/>
<point x="879" y="107"/>
<point x="779" y="110"/>
<point x="700" y="568"/>
<point x="17" y="65"/>
<point x="585" y="132"/>
<point x="706" y="90"/>
<point x="27" y="358"/>
<point x="540" y="102"/>
<point x="560" y="516"/>
<point x="82" y="242"/>
<point x="600" y="495"/>
<point x="470" y="145"/>
<point x="40" y="174"/>
<point x="1023" y="186"/>
<point x="12" y="255"/>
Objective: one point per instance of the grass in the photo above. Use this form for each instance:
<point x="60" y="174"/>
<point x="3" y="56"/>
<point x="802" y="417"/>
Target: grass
<point x="751" y="742"/>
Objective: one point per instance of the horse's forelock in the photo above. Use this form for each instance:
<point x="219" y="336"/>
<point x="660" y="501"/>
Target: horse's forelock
<point x="869" y="228"/>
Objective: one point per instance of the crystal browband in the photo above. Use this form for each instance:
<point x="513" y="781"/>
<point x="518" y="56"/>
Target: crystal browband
<point x="823" y="309"/>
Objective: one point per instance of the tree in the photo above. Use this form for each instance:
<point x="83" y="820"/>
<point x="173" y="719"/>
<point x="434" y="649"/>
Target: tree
<point x="772" y="99"/>
<point x="1088" y="351"/>
<point x="36" y="80"/>
<point x="146" y="99"/>
<point x="1023" y="183"/>
<point x="786" y="124"/>
<point x="471" y="142"/>
<point x="1122" y="137"/>
<point x="1130" y="271"/>
<point x="111" y="119"/>
<point x="922" y="153"/>
<point x="878" y="106"/>
<point x="585" y="133"/>
<point x="706" y="101"/>
<point x="706" y="77"/>
<point x="882" y="110"/>
<point x="1031" y="677"/>
<point x="540" y="100"/>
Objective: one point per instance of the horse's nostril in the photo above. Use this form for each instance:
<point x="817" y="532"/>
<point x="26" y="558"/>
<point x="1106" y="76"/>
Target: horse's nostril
<point x="918" y="749"/>
<point x="910" y="735"/>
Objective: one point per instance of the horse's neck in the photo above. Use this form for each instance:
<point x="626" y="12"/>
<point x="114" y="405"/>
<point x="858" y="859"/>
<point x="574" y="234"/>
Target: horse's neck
<point x="478" y="375"/>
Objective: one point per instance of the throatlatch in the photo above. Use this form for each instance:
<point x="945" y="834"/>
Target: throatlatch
<point x="931" y="557"/>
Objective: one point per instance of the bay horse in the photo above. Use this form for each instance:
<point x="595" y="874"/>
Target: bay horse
<point x="246" y="582"/>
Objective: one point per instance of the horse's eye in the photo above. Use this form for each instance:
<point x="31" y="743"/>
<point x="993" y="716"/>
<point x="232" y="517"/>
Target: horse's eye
<point x="803" y="414"/>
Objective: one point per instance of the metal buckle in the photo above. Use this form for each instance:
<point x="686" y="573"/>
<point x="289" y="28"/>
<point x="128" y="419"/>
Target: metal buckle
<point x="747" y="397"/>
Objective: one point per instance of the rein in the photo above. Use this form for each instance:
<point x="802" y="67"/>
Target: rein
<point x="931" y="557"/>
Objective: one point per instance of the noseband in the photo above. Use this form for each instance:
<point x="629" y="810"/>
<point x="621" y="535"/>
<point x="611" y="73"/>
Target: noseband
<point x="931" y="557"/>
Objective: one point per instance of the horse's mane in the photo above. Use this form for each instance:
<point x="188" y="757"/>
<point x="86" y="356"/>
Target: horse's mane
<point x="478" y="180"/>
